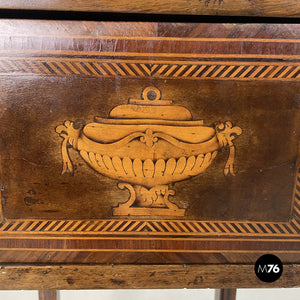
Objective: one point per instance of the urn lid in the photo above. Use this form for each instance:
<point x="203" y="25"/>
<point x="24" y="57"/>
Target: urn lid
<point x="150" y="106"/>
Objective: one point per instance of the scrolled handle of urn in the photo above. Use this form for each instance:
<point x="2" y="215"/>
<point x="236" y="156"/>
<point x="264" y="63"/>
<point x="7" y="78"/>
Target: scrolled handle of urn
<point x="70" y="132"/>
<point x="226" y="133"/>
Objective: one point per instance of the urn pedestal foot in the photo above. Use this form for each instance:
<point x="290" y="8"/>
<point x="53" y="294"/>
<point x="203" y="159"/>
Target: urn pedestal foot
<point x="146" y="202"/>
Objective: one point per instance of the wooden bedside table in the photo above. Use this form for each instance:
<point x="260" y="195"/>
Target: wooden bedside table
<point x="148" y="154"/>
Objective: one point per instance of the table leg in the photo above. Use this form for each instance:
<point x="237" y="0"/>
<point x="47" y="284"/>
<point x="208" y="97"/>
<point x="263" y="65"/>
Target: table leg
<point x="225" y="294"/>
<point x="48" y="295"/>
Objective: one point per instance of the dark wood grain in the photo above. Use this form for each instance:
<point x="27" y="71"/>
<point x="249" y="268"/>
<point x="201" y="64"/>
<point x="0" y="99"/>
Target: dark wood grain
<point x="140" y="277"/>
<point x="283" y="8"/>
<point x="47" y="295"/>
<point x="89" y="30"/>
<point x="135" y="258"/>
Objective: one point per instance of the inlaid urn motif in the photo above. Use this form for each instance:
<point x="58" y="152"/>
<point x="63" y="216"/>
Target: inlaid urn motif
<point x="146" y="145"/>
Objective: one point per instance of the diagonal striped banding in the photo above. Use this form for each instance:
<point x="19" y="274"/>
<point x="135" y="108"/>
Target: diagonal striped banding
<point x="163" y="227"/>
<point x="100" y="68"/>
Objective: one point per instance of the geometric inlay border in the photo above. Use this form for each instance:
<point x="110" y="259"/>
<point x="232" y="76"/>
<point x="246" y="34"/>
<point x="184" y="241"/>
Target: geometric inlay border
<point x="155" y="227"/>
<point x="143" y="69"/>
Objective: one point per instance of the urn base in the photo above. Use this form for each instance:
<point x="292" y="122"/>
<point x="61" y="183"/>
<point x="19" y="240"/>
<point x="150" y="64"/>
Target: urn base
<point x="147" y="202"/>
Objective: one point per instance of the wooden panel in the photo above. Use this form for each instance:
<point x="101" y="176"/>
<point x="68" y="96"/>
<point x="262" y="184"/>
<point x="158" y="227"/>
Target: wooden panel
<point x="235" y="93"/>
<point x="283" y="8"/>
<point x="140" y="277"/>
